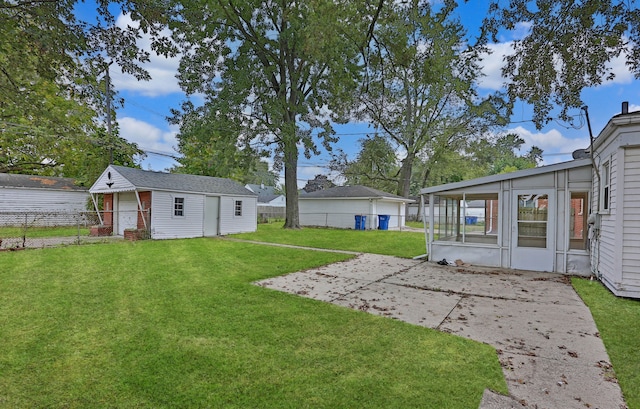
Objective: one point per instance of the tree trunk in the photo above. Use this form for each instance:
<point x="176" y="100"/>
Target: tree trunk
<point x="404" y="184"/>
<point x="292" y="220"/>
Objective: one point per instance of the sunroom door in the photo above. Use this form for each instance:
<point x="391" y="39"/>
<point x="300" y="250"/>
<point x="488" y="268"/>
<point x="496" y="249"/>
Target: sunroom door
<point x="532" y="239"/>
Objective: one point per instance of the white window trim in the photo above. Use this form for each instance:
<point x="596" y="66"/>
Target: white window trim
<point x="173" y="209"/>
<point x="605" y="183"/>
<point x="235" y="208"/>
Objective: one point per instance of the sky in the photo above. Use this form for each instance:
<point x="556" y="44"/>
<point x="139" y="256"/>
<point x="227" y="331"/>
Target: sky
<point x="147" y="104"/>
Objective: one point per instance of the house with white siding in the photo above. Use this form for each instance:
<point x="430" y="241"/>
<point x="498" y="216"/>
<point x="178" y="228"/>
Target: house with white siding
<point x="579" y="217"/>
<point x="615" y="205"/>
<point x="53" y="196"/>
<point x="358" y="207"/>
<point x="167" y="205"/>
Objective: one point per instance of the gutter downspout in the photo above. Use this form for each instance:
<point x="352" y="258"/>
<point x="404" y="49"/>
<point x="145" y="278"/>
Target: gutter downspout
<point x="594" y="266"/>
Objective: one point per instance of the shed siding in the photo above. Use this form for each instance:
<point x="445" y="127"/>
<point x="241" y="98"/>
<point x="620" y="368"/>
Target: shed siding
<point x="118" y="183"/>
<point x="631" y="225"/>
<point x="164" y="225"/>
<point x="230" y="223"/>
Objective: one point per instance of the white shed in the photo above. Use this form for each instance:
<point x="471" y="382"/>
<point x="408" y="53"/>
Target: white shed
<point x="533" y="219"/>
<point x="615" y="238"/>
<point x="168" y="205"/>
<point x="40" y="194"/>
<point x="345" y="206"/>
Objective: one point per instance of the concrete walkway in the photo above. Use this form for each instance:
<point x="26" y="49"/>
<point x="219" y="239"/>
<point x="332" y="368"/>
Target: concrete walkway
<point x="547" y="342"/>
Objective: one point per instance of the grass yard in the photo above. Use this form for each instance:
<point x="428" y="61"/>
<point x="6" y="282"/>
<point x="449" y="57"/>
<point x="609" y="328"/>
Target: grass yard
<point x="618" y="321"/>
<point x="176" y="323"/>
<point x="389" y="242"/>
<point x="40" y="232"/>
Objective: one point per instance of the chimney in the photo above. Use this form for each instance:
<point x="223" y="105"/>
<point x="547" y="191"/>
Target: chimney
<point x="625" y="107"/>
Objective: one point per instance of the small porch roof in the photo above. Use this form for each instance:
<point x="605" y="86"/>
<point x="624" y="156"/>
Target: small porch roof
<point x="506" y="176"/>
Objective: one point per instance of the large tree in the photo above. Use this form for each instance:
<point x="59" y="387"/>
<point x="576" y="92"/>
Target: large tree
<point x="52" y="89"/>
<point x="569" y="47"/>
<point x="421" y="88"/>
<point x="283" y="70"/>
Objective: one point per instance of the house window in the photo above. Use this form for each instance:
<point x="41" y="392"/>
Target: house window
<point x="469" y="219"/>
<point x="178" y="206"/>
<point x="605" y="197"/>
<point x="238" y="208"/>
<point x="578" y="221"/>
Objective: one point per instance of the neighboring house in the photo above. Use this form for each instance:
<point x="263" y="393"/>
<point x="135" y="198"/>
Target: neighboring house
<point x="173" y="205"/>
<point x="267" y="195"/>
<point x="40" y="194"/>
<point x="577" y="217"/>
<point x="339" y="206"/>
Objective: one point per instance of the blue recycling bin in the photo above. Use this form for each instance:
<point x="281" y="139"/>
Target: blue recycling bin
<point x="383" y="221"/>
<point x="361" y="222"/>
<point x="471" y="219"/>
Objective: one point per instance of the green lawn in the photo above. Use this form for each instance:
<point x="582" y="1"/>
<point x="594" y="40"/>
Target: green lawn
<point x="618" y="321"/>
<point x="176" y="323"/>
<point x="39" y="232"/>
<point x="396" y="243"/>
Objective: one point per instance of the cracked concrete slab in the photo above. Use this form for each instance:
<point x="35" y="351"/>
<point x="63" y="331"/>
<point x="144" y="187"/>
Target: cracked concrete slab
<point x="547" y="342"/>
<point x="411" y="305"/>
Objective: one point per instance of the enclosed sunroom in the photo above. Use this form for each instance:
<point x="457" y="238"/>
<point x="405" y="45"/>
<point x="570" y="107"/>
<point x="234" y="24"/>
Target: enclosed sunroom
<point x="534" y="219"/>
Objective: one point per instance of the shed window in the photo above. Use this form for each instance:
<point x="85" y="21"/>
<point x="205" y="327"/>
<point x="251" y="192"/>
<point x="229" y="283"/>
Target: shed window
<point x="578" y="221"/>
<point x="238" y="208"/>
<point x="471" y="218"/>
<point x="605" y="198"/>
<point x="178" y="206"/>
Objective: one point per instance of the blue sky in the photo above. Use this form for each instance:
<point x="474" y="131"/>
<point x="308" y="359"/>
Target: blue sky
<point x="143" y="118"/>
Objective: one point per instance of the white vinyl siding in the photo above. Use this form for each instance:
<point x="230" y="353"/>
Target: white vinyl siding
<point x="607" y="252"/>
<point x="13" y="199"/>
<point x="117" y="183"/>
<point x="230" y="223"/>
<point x="341" y="213"/>
<point x="631" y="224"/>
<point x="165" y="225"/>
<point x="20" y="200"/>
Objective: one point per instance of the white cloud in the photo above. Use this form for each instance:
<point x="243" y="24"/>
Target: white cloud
<point x="618" y="66"/>
<point x="162" y="70"/>
<point x="148" y="136"/>
<point x="555" y="146"/>
<point x="492" y="64"/>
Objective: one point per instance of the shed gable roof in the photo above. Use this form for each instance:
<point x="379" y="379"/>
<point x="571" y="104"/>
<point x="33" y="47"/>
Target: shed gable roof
<point x="39" y="182"/>
<point x="145" y="179"/>
<point x="353" y="192"/>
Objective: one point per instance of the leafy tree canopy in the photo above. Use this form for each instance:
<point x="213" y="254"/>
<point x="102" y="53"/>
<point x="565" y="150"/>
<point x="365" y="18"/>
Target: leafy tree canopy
<point x="280" y="70"/>
<point x="568" y="48"/>
<point x="421" y="88"/>
<point x="51" y="93"/>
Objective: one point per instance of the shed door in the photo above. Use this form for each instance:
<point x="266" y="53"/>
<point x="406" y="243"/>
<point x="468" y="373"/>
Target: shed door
<point x="211" y="216"/>
<point x="533" y="226"/>
<point x="127" y="211"/>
